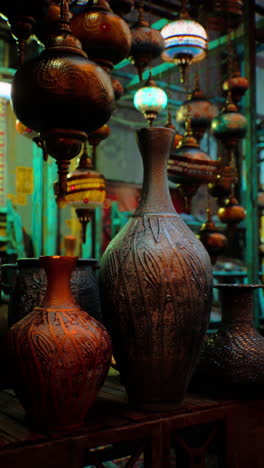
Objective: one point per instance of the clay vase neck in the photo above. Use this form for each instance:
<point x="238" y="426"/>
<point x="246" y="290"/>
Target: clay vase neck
<point x="237" y="302"/>
<point x="58" y="294"/>
<point x="155" y="144"/>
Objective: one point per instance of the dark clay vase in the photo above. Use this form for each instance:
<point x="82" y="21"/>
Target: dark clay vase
<point x="26" y="282"/>
<point x="232" y="360"/>
<point x="156" y="289"/>
<point x="58" y="354"/>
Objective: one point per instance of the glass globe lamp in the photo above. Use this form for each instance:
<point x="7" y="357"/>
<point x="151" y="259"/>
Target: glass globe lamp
<point x="185" y="42"/>
<point x="150" y="100"/>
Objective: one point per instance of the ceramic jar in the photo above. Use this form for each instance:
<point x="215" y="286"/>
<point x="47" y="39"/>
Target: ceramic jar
<point x="232" y="359"/>
<point x="58" y="355"/>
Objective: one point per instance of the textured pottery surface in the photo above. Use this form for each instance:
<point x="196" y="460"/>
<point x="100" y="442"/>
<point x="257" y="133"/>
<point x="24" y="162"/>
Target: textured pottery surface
<point x="232" y="359"/>
<point x="156" y="289"/>
<point x="58" y="354"/>
<point x="30" y="286"/>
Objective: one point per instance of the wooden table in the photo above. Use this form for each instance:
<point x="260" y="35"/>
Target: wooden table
<point x="203" y="433"/>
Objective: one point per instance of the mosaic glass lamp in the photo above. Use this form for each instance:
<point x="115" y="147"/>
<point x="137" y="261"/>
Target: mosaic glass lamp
<point x="185" y="42"/>
<point x="150" y="100"/>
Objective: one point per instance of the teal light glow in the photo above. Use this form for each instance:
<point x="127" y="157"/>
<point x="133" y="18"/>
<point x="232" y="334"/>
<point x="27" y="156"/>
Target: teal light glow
<point x="150" y="98"/>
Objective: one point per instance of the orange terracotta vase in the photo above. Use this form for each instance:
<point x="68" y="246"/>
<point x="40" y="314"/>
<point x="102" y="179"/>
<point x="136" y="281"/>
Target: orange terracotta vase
<point x="59" y="355"/>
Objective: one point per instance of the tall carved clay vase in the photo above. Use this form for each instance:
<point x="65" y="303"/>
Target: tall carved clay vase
<point x="156" y="289"/>
<point x="232" y="360"/>
<point x="59" y="355"/>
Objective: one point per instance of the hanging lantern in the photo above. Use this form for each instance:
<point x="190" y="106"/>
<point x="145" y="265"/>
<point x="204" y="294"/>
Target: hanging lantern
<point x="232" y="213"/>
<point x="85" y="190"/>
<point x="121" y="7"/>
<point x="185" y="42"/>
<point x="237" y="85"/>
<point x="150" y="100"/>
<point x="199" y="110"/>
<point x="104" y="35"/>
<point x="188" y="163"/>
<point x="118" y="88"/>
<point x="147" y="44"/>
<point x="222" y="187"/>
<point x="213" y="240"/>
<point x="62" y="95"/>
<point x="183" y="162"/>
<point x="230" y="125"/>
<point x="22" y="16"/>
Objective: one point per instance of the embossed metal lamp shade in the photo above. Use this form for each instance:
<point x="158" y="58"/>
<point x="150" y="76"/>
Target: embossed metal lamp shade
<point x="185" y="42"/>
<point x="85" y="190"/>
<point x="150" y="100"/>
<point x="62" y="95"/>
<point x="147" y="44"/>
<point x="200" y="111"/>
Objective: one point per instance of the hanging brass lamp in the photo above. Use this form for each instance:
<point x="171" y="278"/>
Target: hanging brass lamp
<point x="213" y="240"/>
<point x="237" y="85"/>
<point x="231" y="213"/>
<point x="147" y="43"/>
<point x="230" y="125"/>
<point x="62" y="95"/>
<point x="104" y="35"/>
<point x="199" y="110"/>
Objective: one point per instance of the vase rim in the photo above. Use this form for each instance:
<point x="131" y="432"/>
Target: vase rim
<point x="237" y="286"/>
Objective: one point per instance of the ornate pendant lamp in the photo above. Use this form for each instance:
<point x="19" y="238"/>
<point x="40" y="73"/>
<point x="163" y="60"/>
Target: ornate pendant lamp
<point x="213" y="240"/>
<point x="22" y="16"/>
<point x="85" y="190"/>
<point x="121" y="7"/>
<point x="185" y="41"/>
<point x="150" y="100"/>
<point x="237" y="85"/>
<point x="230" y="125"/>
<point x="147" y="43"/>
<point x="231" y="213"/>
<point x="104" y="35"/>
<point x="200" y="111"/>
<point x="184" y="160"/>
<point x="62" y="95"/>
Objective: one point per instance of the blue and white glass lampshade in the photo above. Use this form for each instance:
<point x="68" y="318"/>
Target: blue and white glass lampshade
<point x="185" y="42"/>
<point x="150" y="100"/>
